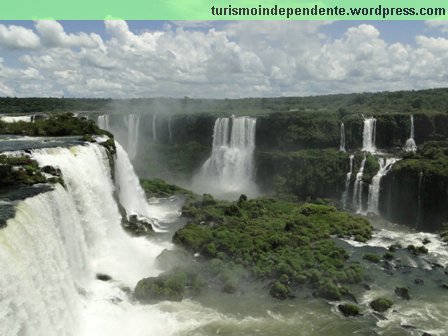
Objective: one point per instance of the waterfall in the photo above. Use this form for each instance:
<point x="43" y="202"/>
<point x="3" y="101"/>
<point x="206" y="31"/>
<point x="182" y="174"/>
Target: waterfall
<point x="154" y="127"/>
<point x="374" y="188"/>
<point x="357" y="190"/>
<point x="170" y="131"/>
<point x="130" y="192"/>
<point x="103" y="122"/>
<point x="410" y="145"/>
<point x="347" y="183"/>
<point x="369" y="135"/>
<point x="230" y="167"/>
<point x="342" y="144"/>
<point x="51" y="251"/>
<point x="419" y="200"/>
<point x="133" y="122"/>
<point x="11" y="119"/>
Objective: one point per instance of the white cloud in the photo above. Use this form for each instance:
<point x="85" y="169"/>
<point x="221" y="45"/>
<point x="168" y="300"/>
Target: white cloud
<point x="17" y="37"/>
<point x="235" y="59"/>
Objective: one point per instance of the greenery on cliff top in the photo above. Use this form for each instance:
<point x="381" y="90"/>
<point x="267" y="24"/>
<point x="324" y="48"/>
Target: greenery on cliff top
<point x="282" y="242"/>
<point x="433" y="100"/>
<point x="159" y="188"/>
<point x="55" y="125"/>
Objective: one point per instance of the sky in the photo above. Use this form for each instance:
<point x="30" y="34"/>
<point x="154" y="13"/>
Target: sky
<point x="212" y="59"/>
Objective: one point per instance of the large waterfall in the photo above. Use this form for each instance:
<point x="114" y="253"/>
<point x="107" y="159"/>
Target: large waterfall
<point x="357" y="189"/>
<point x="13" y="119"/>
<point x="51" y="251"/>
<point x="410" y="145"/>
<point x="374" y="188"/>
<point x="230" y="168"/>
<point x="369" y="135"/>
<point x="133" y="123"/>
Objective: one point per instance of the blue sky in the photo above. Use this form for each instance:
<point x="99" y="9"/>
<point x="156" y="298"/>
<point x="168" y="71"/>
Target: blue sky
<point x="219" y="59"/>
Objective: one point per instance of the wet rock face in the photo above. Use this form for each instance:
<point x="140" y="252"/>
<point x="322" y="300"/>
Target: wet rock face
<point x="139" y="226"/>
<point x="349" y="310"/>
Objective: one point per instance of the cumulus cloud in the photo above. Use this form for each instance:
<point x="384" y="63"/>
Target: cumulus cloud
<point x="233" y="59"/>
<point x="17" y="37"/>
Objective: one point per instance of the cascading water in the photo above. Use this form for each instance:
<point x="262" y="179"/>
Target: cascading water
<point x="133" y="122"/>
<point x="347" y="183"/>
<point x="11" y="119"/>
<point x="342" y="144"/>
<point x="230" y="168"/>
<point x="130" y="192"/>
<point x="154" y="127"/>
<point x="410" y="145"/>
<point x="103" y="122"/>
<point x="374" y="188"/>
<point x="369" y="135"/>
<point x="51" y="251"/>
<point x="357" y="190"/>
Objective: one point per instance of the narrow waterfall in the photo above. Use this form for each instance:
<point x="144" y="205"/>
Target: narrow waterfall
<point x="374" y="188"/>
<point x="103" y="122"/>
<point x="154" y="127"/>
<point x="230" y="168"/>
<point x="410" y="145"/>
<point x="130" y="192"/>
<point x="133" y="122"/>
<point x="170" y="131"/>
<point x="51" y="251"/>
<point x="342" y="144"/>
<point x="419" y="200"/>
<point x="369" y="135"/>
<point x="347" y="183"/>
<point x="357" y="190"/>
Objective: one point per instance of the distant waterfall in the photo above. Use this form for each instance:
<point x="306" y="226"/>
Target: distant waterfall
<point x="357" y="190"/>
<point x="369" y="135"/>
<point x="374" y="188"/>
<point x="347" y="183"/>
<point x="12" y="119"/>
<point x="133" y="122"/>
<point x="342" y="144"/>
<point x="154" y="127"/>
<point x="103" y="122"/>
<point x="230" y="168"/>
<point x="410" y="145"/>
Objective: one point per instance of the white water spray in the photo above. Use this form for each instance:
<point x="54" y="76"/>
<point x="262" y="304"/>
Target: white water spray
<point x="410" y="145"/>
<point x="369" y="135"/>
<point x="357" y="190"/>
<point x="342" y="144"/>
<point x="374" y="188"/>
<point x="230" y="168"/>
<point x="347" y="183"/>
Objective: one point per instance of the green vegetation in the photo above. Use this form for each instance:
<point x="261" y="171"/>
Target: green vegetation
<point x="274" y="240"/>
<point x="56" y="125"/>
<point x="381" y="304"/>
<point x="348" y="309"/>
<point x="372" y="257"/>
<point x="159" y="188"/>
<point x="403" y="292"/>
<point x="434" y="100"/>
<point x="21" y="170"/>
